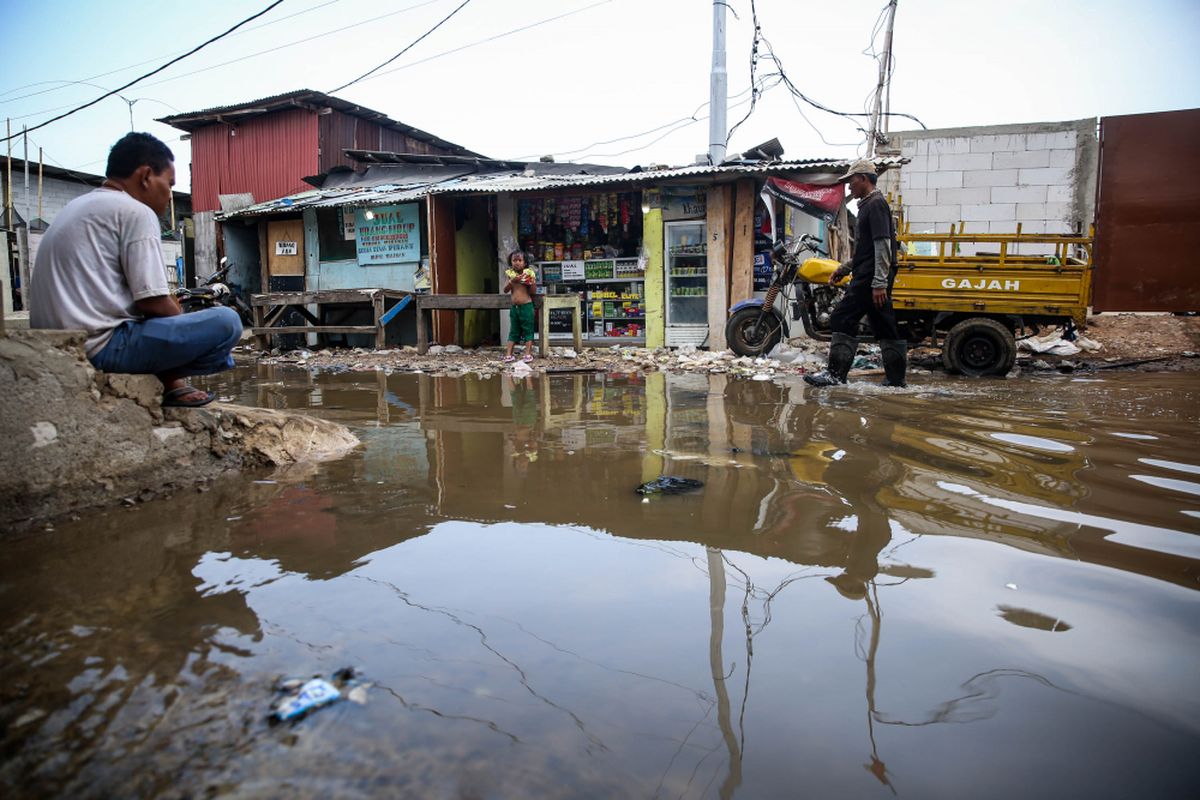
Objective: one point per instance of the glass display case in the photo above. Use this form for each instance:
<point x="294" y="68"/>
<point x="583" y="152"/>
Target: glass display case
<point x="687" y="283"/>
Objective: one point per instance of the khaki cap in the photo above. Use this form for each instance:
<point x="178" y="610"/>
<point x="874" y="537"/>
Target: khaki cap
<point x="864" y="166"/>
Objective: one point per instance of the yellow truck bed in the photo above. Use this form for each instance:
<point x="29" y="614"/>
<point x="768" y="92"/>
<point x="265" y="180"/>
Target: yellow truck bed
<point x="999" y="281"/>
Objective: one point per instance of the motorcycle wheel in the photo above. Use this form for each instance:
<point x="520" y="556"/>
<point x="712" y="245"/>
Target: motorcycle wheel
<point x="747" y="337"/>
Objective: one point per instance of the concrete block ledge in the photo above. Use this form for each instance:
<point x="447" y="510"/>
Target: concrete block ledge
<point x="77" y="439"/>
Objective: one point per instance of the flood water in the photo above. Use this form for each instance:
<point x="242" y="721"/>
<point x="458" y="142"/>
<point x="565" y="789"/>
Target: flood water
<point x="969" y="589"/>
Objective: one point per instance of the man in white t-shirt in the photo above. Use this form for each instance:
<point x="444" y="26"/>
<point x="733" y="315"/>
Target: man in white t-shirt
<point x="100" y="268"/>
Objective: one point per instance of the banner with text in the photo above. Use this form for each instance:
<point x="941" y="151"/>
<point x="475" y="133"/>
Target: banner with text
<point x="391" y="236"/>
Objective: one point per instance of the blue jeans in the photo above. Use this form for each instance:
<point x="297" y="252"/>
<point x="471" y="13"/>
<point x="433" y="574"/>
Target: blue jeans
<point x="198" y="343"/>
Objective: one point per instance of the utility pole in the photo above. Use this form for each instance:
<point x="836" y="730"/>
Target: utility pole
<point x="8" y="177"/>
<point x="885" y="78"/>
<point x="23" y="231"/>
<point x="718" y="96"/>
<point x="28" y="209"/>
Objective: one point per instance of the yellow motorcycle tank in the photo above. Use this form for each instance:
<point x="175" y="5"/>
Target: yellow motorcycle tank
<point x="818" y="270"/>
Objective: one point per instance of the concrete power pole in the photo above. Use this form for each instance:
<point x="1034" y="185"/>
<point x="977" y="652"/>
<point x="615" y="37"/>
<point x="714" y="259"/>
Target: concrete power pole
<point x="718" y="88"/>
<point x="885" y="77"/>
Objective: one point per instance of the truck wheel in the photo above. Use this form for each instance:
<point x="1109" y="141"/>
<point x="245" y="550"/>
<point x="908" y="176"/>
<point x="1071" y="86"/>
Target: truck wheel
<point x="748" y="337"/>
<point x="979" y="347"/>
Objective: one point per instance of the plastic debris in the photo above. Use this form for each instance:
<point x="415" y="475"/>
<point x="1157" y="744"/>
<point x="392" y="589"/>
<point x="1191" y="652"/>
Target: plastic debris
<point x="1012" y="586"/>
<point x="1051" y="346"/>
<point x="301" y="696"/>
<point x="669" y="484"/>
<point x="311" y="695"/>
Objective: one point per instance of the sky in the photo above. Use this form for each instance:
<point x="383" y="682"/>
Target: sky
<point x="619" y="82"/>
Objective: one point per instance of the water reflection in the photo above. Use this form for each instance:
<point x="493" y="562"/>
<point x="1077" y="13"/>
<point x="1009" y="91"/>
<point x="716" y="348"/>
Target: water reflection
<point x="887" y="582"/>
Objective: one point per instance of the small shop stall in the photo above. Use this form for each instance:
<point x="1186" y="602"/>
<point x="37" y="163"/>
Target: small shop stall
<point x="590" y="245"/>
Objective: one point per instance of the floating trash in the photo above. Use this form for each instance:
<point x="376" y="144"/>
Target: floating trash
<point x="299" y="697"/>
<point x="669" y="484"/>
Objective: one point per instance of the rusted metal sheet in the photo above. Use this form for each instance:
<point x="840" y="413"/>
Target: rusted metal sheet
<point x="401" y="191"/>
<point x="341" y="132"/>
<point x="266" y="156"/>
<point x="1148" y="213"/>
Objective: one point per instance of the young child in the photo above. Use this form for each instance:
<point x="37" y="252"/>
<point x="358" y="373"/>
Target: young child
<point x="522" y="285"/>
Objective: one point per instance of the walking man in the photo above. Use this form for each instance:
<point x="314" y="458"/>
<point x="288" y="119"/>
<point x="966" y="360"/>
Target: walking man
<point x="100" y="268"/>
<point x="873" y="271"/>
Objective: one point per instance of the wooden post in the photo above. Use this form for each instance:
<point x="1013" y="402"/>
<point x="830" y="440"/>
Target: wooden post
<point x="422" y="334"/>
<point x="741" y="285"/>
<point x="377" y="306"/>
<point x="718" y="264"/>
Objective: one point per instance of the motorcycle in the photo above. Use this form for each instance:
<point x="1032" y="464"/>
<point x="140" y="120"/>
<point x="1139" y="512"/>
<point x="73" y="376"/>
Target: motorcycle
<point x="756" y="325"/>
<point x="214" y="292"/>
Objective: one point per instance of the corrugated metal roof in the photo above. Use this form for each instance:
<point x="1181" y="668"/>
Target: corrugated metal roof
<point x="303" y="98"/>
<point x="528" y="181"/>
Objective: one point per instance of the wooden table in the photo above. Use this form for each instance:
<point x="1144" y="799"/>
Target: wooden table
<point x="428" y="303"/>
<point x="268" y="310"/>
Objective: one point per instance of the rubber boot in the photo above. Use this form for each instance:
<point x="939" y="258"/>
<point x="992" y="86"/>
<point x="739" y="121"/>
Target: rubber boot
<point x="895" y="361"/>
<point x="841" y="356"/>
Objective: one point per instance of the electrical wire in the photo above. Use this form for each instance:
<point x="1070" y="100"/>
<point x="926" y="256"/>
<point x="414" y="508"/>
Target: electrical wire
<point x="413" y="44"/>
<point x="690" y="117"/>
<point x="148" y="74"/>
<point x="65" y="83"/>
<point x="689" y="123"/>
<point x="489" y="39"/>
<point x="753" y="67"/>
<point x="762" y="44"/>
<point x="248" y="56"/>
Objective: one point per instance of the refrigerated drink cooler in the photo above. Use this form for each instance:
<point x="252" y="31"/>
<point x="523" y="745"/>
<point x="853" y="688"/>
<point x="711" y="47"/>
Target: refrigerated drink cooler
<point x="687" y="283"/>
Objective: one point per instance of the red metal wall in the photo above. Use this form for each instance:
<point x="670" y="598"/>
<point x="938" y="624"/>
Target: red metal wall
<point x="1148" y="213"/>
<point x="267" y="156"/>
<point x="340" y="132"/>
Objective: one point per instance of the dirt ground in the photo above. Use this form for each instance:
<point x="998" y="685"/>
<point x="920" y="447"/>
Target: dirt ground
<point x="1154" y="341"/>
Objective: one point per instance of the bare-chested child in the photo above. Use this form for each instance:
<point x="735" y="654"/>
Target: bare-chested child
<point x="522" y="285"/>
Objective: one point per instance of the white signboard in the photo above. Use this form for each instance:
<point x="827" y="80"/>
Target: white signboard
<point x="348" y="228"/>
<point x="287" y="248"/>
<point x="572" y="271"/>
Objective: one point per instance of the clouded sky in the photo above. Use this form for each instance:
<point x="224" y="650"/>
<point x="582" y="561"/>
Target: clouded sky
<point x="605" y="81"/>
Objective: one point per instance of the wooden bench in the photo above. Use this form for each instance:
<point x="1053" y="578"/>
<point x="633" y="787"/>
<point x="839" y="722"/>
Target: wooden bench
<point x="428" y="303"/>
<point x="269" y="309"/>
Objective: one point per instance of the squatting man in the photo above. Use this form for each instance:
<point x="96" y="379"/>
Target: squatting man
<point x="873" y="271"/>
<point x="100" y="268"/>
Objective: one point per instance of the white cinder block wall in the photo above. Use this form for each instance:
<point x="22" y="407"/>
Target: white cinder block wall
<point x="56" y="193"/>
<point x="1042" y="175"/>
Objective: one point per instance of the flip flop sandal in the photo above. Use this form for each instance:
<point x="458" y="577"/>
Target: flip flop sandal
<point x="509" y="359"/>
<point x="527" y="359"/>
<point x="174" y="398"/>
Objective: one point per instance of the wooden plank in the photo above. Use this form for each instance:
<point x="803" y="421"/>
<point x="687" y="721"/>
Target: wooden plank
<point x="290" y="231"/>
<point x="317" y="329"/>
<point x="741" y="286"/>
<point x="461" y="301"/>
<point x="718" y="264"/>
<point x="305" y="298"/>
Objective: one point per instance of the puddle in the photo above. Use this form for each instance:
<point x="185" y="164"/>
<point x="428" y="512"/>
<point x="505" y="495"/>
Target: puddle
<point x="872" y="593"/>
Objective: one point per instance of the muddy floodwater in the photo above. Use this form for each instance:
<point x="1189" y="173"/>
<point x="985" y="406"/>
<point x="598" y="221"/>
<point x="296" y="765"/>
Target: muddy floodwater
<point x="966" y="589"/>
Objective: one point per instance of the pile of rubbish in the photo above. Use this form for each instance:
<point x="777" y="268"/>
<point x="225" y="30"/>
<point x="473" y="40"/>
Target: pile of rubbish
<point x="794" y="358"/>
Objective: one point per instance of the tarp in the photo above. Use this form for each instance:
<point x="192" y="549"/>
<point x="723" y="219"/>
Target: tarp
<point x="820" y="201"/>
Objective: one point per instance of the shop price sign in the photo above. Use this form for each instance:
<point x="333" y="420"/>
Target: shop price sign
<point x="572" y="271"/>
<point x="287" y="248"/>
<point x="391" y="236"/>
